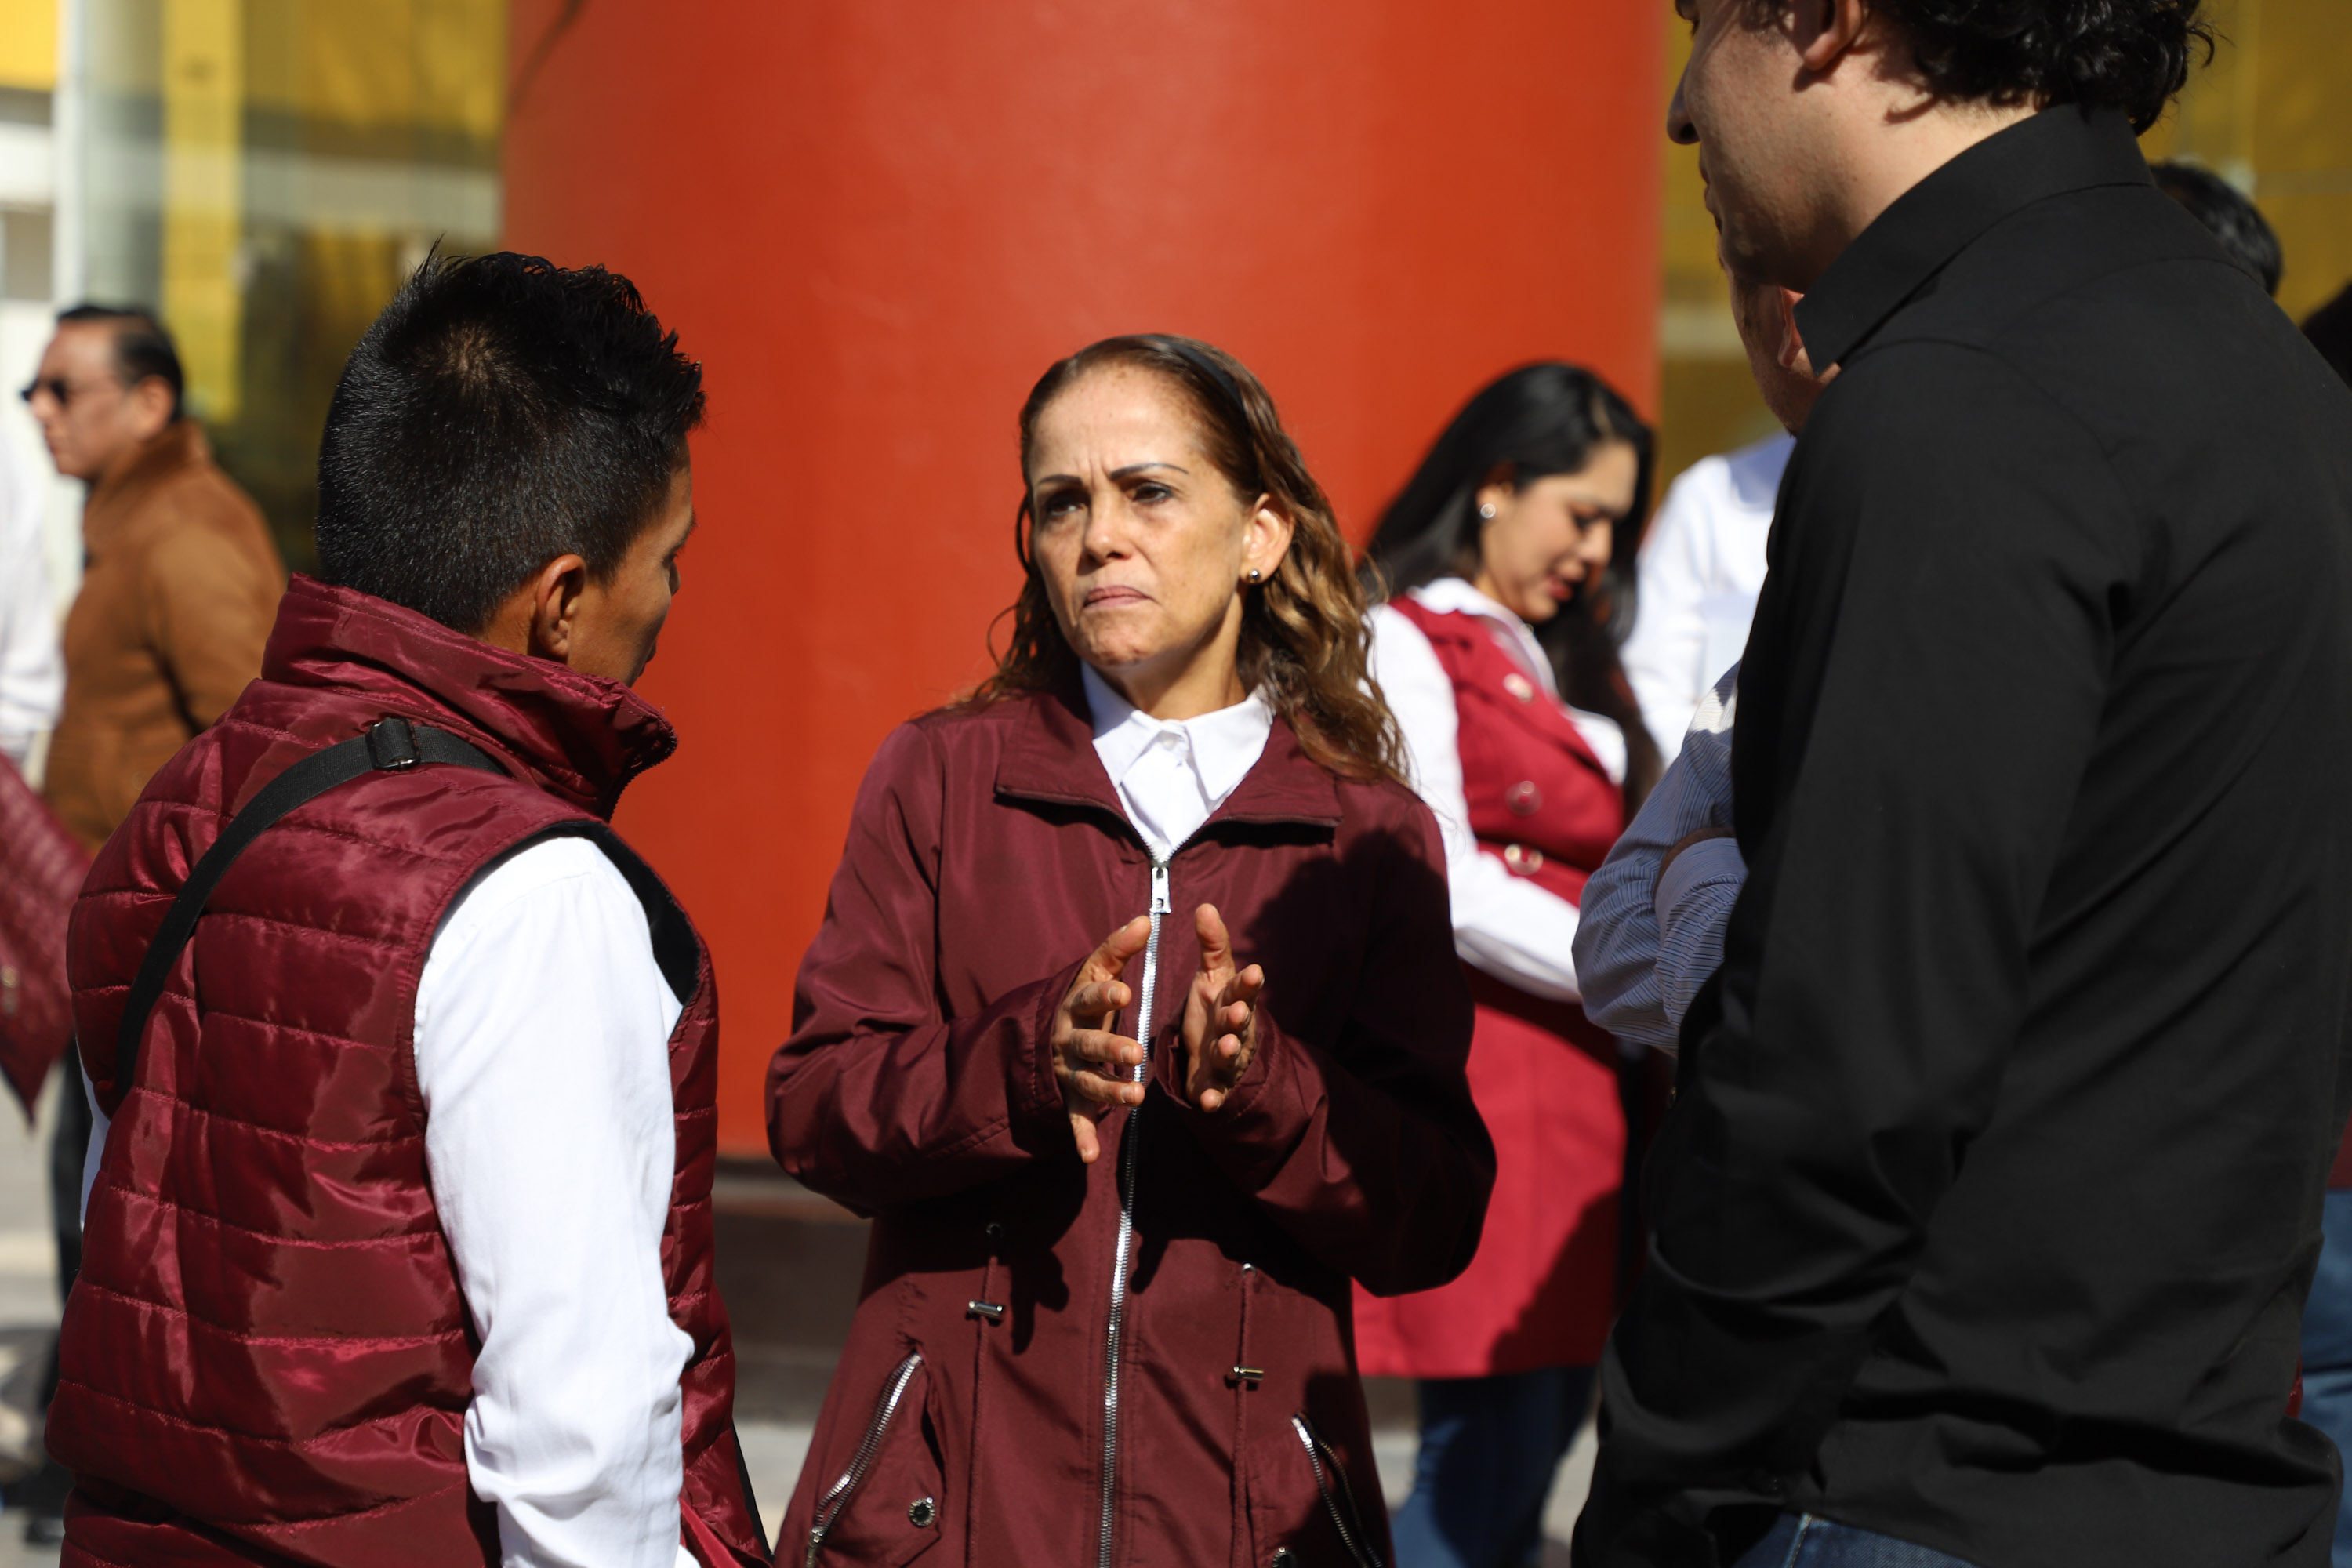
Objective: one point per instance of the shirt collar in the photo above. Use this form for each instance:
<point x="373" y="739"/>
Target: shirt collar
<point x="2047" y="155"/>
<point x="1221" y="746"/>
<point x="1455" y="597"/>
<point x="1049" y="756"/>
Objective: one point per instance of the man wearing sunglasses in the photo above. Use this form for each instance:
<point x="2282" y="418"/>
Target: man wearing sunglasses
<point x="180" y="585"/>
<point x="181" y="580"/>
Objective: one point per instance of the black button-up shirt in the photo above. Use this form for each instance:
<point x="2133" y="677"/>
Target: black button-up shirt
<point x="1987" y="1209"/>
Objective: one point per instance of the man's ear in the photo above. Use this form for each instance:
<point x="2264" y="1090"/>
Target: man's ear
<point x="1825" y="31"/>
<point x="555" y="593"/>
<point x="538" y="617"/>
<point x="1791" y="352"/>
<point x="151" y="406"/>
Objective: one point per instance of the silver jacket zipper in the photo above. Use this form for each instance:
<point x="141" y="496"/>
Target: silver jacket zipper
<point x="1129" y="1140"/>
<point x="1327" y="1473"/>
<point x="837" y="1501"/>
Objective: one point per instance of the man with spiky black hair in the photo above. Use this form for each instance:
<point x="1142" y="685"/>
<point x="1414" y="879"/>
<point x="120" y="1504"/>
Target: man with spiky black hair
<point x="398" y="1243"/>
<point x="1985" y="1213"/>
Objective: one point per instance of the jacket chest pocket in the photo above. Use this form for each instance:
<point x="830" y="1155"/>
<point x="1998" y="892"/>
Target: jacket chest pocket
<point x="1305" y="1511"/>
<point x="886" y="1504"/>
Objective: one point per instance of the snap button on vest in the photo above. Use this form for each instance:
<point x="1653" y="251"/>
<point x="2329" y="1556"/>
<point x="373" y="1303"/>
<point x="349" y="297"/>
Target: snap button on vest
<point x="1520" y="858"/>
<point x="922" y="1513"/>
<point x="1519" y="686"/>
<point x="1524" y="798"/>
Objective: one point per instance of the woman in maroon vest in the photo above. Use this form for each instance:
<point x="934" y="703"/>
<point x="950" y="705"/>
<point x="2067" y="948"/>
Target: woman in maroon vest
<point x="1119" y="1204"/>
<point x="1508" y="557"/>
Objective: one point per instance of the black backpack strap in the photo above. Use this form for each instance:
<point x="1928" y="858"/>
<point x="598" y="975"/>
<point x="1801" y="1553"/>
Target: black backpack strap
<point x="678" y="954"/>
<point x="675" y="948"/>
<point x="750" y="1499"/>
<point x="390" y="745"/>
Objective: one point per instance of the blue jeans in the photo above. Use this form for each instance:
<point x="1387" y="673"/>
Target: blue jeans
<point x="2327" y="1348"/>
<point x="1803" y="1540"/>
<point x="1489" y="1448"/>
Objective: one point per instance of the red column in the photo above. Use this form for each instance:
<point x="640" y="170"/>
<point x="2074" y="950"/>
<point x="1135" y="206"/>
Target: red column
<point x="876" y="221"/>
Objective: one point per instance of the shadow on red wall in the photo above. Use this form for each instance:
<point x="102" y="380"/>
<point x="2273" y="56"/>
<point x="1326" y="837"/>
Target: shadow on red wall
<point x="876" y="221"/>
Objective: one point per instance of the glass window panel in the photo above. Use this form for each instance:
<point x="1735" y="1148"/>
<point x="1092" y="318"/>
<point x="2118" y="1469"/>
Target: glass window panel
<point x="265" y="172"/>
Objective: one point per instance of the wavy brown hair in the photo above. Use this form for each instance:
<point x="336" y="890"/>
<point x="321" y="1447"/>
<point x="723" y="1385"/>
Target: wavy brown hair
<point x="1305" y="647"/>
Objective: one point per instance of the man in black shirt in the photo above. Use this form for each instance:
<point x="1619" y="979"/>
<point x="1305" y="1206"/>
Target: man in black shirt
<point x="1985" y="1214"/>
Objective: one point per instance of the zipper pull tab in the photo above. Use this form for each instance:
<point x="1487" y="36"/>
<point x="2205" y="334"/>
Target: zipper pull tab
<point x="1158" y="887"/>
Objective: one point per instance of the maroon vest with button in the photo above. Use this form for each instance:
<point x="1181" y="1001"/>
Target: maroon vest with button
<point x="1542" y="1288"/>
<point x="1538" y="797"/>
<point x="267" y="1357"/>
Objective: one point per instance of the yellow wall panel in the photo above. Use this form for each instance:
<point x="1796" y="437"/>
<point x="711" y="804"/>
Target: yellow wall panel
<point x="202" y="71"/>
<point x="2303" y="123"/>
<point x="28" y="44"/>
<point x="393" y="65"/>
<point x="461" y="50"/>
<point x="2270" y="114"/>
<point x="266" y="171"/>
<point x="2302" y="143"/>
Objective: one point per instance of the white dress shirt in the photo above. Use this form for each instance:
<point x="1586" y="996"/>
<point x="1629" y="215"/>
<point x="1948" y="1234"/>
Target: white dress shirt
<point x="1505" y="925"/>
<point x="1649" y="941"/>
<point x="1172" y="774"/>
<point x="543" y="1052"/>
<point x="32" y="673"/>
<point x="1702" y="566"/>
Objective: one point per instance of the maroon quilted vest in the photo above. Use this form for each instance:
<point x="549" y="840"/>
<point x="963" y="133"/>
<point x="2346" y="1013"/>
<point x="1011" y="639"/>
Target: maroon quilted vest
<point x="266" y="1358"/>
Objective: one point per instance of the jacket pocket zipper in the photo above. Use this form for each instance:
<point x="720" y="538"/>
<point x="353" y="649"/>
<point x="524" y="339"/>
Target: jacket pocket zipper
<point x="837" y="1500"/>
<point x="1338" y="1497"/>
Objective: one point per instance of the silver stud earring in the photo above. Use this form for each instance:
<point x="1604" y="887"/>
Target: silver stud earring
<point x="1486" y="511"/>
<point x="1255" y="574"/>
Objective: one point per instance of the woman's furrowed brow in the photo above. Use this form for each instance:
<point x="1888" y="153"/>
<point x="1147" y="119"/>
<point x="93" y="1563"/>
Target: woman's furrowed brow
<point x="1128" y="473"/>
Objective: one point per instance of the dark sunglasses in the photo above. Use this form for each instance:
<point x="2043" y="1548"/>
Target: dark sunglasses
<point x="57" y="386"/>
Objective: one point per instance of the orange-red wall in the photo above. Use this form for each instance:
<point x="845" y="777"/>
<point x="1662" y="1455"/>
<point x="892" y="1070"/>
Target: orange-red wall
<point x="876" y="221"/>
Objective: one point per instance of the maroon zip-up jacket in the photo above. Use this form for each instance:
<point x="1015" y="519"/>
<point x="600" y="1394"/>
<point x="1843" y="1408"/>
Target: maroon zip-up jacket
<point x="988" y="856"/>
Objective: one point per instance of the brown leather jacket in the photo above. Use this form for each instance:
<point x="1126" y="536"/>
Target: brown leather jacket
<point x="180" y="587"/>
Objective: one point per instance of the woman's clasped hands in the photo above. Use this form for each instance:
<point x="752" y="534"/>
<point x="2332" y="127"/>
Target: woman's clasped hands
<point x="1094" y="1064"/>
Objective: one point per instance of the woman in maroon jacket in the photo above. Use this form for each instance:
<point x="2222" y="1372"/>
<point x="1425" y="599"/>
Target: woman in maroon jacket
<point x="1119" y="1204"/>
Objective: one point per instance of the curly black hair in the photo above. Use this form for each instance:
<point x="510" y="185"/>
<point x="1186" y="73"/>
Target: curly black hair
<point x="2130" y="54"/>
